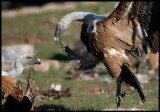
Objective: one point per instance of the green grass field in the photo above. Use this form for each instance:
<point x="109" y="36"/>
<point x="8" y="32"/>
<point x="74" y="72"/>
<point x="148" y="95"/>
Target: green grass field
<point x="35" y="29"/>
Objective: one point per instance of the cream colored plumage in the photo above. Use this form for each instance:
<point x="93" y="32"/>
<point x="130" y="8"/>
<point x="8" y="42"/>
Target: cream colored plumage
<point x="19" y="66"/>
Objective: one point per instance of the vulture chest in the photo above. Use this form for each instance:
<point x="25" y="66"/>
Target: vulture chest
<point x="109" y="51"/>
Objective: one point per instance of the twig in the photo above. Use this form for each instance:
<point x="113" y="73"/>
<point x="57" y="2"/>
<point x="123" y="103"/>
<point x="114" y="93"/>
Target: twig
<point x="33" y="102"/>
<point x="30" y="89"/>
<point x="29" y="86"/>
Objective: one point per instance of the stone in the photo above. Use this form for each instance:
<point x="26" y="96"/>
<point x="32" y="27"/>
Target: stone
<point x="43" y="67"/>
<point x="54" y="64"/>
<point x="12" y="52"/>
<point x="46" y="65"/>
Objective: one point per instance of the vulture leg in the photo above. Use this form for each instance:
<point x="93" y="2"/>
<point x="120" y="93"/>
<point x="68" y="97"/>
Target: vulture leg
<point x="118" y="94"/>
<point x="72" y="53"/>
<point x="128" y="77"/>
<point x="69" y="51"/>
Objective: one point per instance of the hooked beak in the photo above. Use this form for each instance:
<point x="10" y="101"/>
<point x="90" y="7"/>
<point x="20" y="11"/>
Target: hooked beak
<point x="56" y="37"/>
<point x="37" y="61"/>
<point x="31" y="61"/>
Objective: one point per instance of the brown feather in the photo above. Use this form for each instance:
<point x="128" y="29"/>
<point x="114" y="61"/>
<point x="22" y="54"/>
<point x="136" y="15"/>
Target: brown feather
<point x="120" y="11"/>
<point x="125" y="29"/>
<point x="9" y="87"/>
<point x="130" y="22"/>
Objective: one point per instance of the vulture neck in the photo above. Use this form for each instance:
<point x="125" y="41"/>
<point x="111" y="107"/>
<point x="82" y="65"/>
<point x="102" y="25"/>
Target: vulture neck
<point x="85" y="17"/>
<point x="17" y="69"/>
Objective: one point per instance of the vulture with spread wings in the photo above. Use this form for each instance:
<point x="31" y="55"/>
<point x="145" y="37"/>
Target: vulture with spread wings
<point x="132" y="27"/>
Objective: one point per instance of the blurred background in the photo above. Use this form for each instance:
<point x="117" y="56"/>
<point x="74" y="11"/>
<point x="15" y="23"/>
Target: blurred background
<point x="28" y="29"/>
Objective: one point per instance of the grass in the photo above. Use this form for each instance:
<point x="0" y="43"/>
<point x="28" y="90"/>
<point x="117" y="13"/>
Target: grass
<point x="17" y="30"/>
<point x="83" y="99"/>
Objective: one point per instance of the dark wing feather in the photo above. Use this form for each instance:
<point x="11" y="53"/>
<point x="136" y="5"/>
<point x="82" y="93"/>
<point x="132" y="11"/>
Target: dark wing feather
<point x="140" y="11"/>
<point x="84" y="36"/>
<point x="121" y="10"/>
<point x="132" y="80"/>
<point x="145" y="20"/>
<point x="153" y="33"/>
<point x="147" y="15"/>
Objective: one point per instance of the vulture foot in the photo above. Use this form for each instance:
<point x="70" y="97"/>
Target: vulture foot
<point x="69" y="51"/>
<point x="72" y="53"/>
<point x="119" y="99"/>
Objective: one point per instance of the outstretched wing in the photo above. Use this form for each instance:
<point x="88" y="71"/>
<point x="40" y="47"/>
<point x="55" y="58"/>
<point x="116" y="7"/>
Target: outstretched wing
<point x="140" y="11"/>
<point x="146" y="14"/>
<point x="145" y="24"/>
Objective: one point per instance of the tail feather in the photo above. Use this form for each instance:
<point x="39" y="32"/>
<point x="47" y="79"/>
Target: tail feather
<point x="132" y="80"/>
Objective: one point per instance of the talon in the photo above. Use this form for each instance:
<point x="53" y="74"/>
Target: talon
<point x="123" y="94"/>
<point x="119" y="101"/>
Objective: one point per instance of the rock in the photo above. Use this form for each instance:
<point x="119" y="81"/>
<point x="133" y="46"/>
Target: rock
<point x="43" y="67"/>
<point x="12" y="52"/>
<point x="54" y="64"/>
<point x="153" y="61"/>
<point x="35" y="9"/>
<point x="54" y="6"/>
<point x="46" y="65"/>
<point x="143" y="79"/>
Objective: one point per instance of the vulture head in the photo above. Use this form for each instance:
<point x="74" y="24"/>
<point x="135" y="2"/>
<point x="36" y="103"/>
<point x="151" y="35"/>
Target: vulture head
<point x="19" y="64"/>
<point x="85" y="17"/>
<point x="26" y="60"/>
<point x="59" y="30"/>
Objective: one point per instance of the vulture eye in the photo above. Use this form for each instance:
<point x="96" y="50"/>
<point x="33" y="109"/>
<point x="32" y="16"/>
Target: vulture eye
<point x="28" y="57"/>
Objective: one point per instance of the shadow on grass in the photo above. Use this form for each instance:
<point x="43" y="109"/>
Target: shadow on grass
<point x="51" y="107"/>
<point x="56" y="108"/>
<point x="104" y="72"/>
<point x="60" y="57"/>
